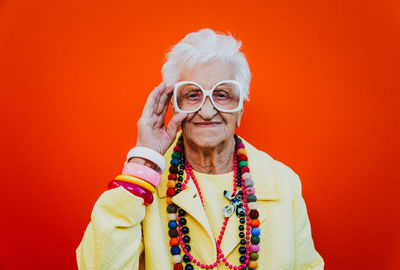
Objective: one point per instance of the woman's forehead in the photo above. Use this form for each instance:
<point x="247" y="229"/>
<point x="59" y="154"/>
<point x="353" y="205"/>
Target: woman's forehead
<point x="207" y="74"/>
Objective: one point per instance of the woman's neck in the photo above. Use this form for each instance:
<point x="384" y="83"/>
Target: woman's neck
<point x="211" y="160"/>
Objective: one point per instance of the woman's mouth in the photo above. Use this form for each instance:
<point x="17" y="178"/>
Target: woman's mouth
<point x="207" y="124"/>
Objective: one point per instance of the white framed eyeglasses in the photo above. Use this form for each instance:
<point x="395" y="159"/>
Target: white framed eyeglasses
<point x="226" y="96"/>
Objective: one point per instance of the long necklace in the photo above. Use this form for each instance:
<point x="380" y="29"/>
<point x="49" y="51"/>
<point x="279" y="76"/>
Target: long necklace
<point x="242" y="201"/>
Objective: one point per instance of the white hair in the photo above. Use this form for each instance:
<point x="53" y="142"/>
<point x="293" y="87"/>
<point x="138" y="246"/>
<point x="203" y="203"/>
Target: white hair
<point x="207" y="46"/>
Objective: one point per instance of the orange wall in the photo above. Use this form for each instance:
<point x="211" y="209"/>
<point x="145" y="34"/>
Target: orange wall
<point x="74" y="76"/>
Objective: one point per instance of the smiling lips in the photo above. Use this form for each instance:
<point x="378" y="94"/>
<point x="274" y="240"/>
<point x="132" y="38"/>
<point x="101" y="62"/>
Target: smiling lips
<point x="207" y="124"/>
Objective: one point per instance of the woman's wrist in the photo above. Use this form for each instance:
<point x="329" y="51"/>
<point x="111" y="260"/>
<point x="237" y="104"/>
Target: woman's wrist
<point x="144" y="162"/>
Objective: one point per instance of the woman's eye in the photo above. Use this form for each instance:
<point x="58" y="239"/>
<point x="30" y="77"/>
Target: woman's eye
<point x="193" y="94"/>
<point x="221" y="94"/>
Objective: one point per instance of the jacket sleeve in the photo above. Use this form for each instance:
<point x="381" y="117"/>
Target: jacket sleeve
<point x="306" y="257"/>
<point x="113" y="238"/>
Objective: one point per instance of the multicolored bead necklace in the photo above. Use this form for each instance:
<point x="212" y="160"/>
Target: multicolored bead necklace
<point x="243" y="201"/>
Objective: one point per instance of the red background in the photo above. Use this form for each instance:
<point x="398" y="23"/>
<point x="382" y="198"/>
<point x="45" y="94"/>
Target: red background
<point x="74" y="76"/>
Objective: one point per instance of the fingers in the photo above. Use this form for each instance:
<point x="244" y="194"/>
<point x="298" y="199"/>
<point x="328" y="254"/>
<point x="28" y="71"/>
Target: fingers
<point x="174" y="123"/>
<point x="152" y="101"/>
<point x="164" y="100"/>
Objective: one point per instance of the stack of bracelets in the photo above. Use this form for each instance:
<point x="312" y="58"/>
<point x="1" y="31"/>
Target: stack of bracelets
<point x="139" y="180"/>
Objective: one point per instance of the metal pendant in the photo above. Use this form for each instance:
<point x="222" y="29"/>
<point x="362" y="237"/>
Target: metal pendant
<point x="229" y="210"/>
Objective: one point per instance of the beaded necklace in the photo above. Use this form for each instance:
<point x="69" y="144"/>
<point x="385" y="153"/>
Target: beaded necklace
<point x="243" y="202"/>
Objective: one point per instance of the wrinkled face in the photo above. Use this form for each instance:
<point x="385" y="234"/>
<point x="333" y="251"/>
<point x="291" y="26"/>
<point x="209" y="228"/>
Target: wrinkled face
<point x="208" y="127"/>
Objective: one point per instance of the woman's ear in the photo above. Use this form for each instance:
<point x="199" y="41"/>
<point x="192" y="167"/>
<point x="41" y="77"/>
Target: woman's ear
<point x="239" y="118"/>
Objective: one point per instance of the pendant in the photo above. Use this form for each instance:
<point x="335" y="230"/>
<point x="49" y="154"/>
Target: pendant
<point x="228" y="210"/>
<point x="235" y="204"/>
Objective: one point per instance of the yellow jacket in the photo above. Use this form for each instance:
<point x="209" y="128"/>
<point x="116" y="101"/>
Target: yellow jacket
<point x="124" y="234"/>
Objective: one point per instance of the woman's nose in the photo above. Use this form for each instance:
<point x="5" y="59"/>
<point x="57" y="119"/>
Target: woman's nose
<point x="207" y="111"/>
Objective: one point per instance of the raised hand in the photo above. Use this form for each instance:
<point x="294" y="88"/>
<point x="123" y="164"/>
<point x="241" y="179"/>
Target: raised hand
<point x="152" y="132"/>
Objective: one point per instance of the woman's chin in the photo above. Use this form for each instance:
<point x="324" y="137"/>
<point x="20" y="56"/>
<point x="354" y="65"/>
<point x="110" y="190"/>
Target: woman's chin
<point x="205" y="138"/>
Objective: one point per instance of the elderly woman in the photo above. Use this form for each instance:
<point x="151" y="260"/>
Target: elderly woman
<point x="220" y="203"/>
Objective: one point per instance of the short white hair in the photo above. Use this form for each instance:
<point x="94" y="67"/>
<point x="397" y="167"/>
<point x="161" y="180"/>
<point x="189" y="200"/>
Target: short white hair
<point x="207" y="46"/>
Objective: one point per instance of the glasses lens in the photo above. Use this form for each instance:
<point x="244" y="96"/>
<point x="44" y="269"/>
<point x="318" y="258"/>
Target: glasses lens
<point x="226" y="96"/>
<point x="189" y="97"/>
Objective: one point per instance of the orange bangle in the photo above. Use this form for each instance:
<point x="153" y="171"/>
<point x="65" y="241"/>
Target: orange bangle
<point x="136" y="181"/>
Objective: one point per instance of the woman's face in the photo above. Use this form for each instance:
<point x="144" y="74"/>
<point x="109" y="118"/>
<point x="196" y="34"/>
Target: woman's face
<point x="208" y="127"/>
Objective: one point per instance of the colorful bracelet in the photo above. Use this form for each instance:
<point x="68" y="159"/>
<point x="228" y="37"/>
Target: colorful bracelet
<point x="133" y="189"/>
<point x="149" y="154"/>
<point x="136" y="181"/>
<point x="143" y="172"/>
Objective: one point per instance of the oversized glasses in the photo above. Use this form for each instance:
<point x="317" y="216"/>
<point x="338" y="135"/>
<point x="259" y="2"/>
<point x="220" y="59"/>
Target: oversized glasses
<point x="226" y="96"/>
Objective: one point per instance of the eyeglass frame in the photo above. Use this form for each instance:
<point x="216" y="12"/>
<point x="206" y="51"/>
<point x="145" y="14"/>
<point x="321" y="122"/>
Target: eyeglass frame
<point x="208" y="93"/>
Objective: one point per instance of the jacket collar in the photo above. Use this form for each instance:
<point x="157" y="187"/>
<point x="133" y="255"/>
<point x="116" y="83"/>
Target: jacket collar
<point x="267" y="187"/>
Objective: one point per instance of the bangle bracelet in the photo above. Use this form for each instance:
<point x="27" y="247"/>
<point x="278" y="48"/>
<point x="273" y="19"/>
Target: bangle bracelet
<point x="149" y="154"/>
<point x="136" y="181"/>
<point x="133" y="189"/>
<point x="143" y="172"/>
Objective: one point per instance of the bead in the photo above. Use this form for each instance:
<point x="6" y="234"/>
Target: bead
<point x="176" y="258"/>
<point x="172" y="224"/>
<point x="246" y="176"/>
<point x="253" y="256"/>
<point x="182" y="221"/>
<point x="175" y="250"/>
<point x="242" y="220"/>
<point x="172" y="208"/>
<point x="173" y="169"/>
<point x="250" y="191"/>
<point x="176" y="155"/>
<point x="186" y="239"/>
<point x="181" y="212"/>
<point x="242" y="259"/>
<point x="252" y="205"/>
<point x="171" y="183"/>
<point x="178" y="185"/>
<point x="242" y="157"/>
<point x="178" y="148"/>
<point x="187" y="259"/>
<point x="244" y="169"/>
<point x="178" y="266"/>
<point x="253" y="264"/>
<point x="255" y="231"/>
<point x="173" y="232"/>
<point x="254" y="248"/>
<point x="185" y="230"/>
<point x="172" y="176"/>
<point x="251" y="198"/>
<point x="172" y="216"/>
<point x="241" y="151"/>
<point x="255" y="239"/>
<point x="242" y="250"/>
<point x="243" y="163"/>
<point x="248" y="183"/>
<point x="170" y="192"/>
<point x="241" y="227"/>
<point x="243" y="242"/>
<point x="189" y="267"/>
<point x="255" y="223"/>
<point x="169" y="200"/>
<point x="239" y="145"/>
<point x="174" y="241"/>
<point x="174" y="161"/>
<point x="188" y="248"/>
<point x="254" y="214"/>
<point x="241" y="234"/>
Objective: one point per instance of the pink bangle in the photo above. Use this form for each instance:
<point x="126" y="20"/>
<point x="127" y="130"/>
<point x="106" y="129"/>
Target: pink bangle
<point x="143" y="172"/>
<point x="134" y="189"/>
